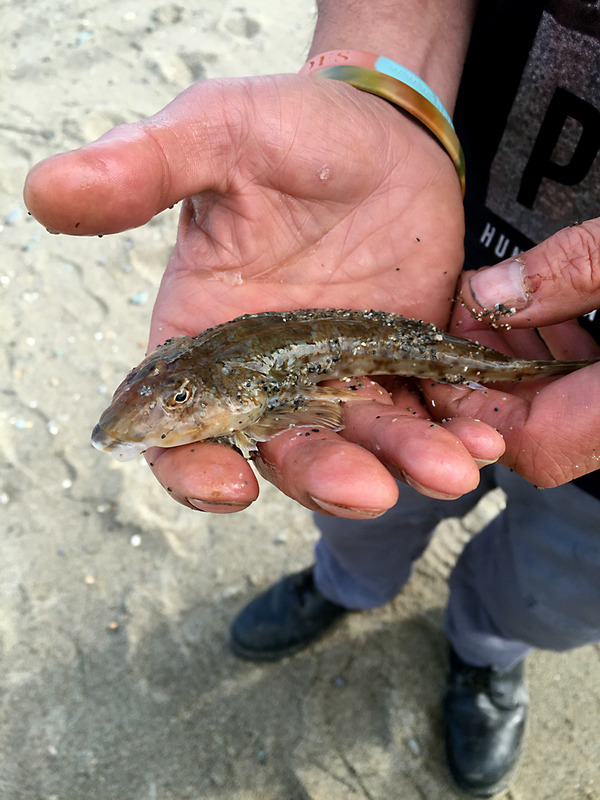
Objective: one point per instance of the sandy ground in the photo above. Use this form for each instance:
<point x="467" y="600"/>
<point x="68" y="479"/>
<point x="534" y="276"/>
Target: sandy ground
<point x="116" y="680"/>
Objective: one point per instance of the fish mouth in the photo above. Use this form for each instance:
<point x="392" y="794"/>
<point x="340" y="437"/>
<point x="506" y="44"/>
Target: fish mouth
<point x="122" y="451"/>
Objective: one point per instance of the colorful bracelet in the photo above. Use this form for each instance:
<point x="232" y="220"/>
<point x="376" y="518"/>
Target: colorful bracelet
<point x="382" y="77"/>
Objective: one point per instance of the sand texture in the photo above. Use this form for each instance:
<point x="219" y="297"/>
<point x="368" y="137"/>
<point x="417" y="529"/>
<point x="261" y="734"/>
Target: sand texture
<point x="116" y="681"/>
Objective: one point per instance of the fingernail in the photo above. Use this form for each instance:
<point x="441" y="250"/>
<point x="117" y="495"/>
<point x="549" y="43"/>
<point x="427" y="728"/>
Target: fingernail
<point x="217" y="505"/>
<point x="339" y="510"/>
<point x="500" y="287"/>
<point x="427" y="492"/>
<point x="485" y="462"/>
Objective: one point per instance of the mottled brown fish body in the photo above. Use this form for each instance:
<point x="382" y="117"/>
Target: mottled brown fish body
<point x="250" y="378"/>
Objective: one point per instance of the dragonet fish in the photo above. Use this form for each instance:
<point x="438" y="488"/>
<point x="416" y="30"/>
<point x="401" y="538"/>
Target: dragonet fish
<point x="246" y="380"/>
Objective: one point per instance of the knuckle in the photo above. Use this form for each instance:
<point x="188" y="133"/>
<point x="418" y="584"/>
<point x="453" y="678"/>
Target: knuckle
<point x="579" y="255"/>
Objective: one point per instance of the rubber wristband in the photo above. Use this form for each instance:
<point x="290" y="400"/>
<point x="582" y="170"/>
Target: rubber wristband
<point x="382" y="77"/>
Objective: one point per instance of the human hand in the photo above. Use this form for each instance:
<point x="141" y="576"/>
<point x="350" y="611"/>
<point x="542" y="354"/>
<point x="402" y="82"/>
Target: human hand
<point x="298" y="193"/>
<point x="551" y="428"/>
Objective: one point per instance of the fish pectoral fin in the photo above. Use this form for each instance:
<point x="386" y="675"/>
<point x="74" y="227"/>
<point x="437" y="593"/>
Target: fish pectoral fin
<point x="322" y="407"/>
<point x="277" y="421"/>
<point x="243" y="442"/>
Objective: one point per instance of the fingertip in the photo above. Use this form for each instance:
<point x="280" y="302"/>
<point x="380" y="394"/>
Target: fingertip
<point x="38" y="191"/>
<point x="441" y="467"/>
<point x="205" y="476"/>
<point x="422" y="453"/>
<point x="556" y="280"/>
<point x="325" y="473"/>
<point x="349" y="481"/>
<point x="497" y="292"/>
<point x="484" y="443"/>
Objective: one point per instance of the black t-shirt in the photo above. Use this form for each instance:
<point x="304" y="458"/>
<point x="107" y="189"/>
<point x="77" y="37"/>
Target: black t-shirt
<point x="528" y="118"/>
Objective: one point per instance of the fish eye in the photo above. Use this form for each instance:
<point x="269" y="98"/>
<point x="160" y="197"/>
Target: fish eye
<point x="181" y="396"/>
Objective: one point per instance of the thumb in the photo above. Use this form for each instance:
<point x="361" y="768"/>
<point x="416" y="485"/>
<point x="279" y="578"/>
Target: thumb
<point x="557" y="280"/>
<point x="135" y="171"/>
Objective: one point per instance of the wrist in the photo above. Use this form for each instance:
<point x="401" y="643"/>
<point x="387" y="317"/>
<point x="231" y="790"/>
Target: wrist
<point x="428" y="38"/>
<point x="393" y="82"/>
<point x="373" y="63"/>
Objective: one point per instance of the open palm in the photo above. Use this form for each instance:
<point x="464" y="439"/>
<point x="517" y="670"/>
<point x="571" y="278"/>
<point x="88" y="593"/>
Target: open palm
<point x="298" y="193"/>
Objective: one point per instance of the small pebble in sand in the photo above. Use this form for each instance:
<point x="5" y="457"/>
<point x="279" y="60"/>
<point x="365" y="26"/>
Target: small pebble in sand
<point x="13" y="217"/>
<point x="413" y="746"/>
<point x="22" y="424"/>
<point x="139" y="299"/>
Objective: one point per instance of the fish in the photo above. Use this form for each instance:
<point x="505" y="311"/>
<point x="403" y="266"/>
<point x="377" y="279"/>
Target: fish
<point x="246" y="380"/>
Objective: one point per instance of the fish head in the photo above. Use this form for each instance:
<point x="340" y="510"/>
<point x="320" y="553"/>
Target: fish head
<point x="165" y="403"/>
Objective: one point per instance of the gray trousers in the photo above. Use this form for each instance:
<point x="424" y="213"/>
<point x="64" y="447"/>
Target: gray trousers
<point x="531" y="578"/>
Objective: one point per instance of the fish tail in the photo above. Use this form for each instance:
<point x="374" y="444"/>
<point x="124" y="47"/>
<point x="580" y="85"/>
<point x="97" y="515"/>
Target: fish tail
<point x="530" y="370"/>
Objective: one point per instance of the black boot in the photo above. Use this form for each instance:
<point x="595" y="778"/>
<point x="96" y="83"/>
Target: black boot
<point x="283" y="620"/>
<point x="485" y="712"/>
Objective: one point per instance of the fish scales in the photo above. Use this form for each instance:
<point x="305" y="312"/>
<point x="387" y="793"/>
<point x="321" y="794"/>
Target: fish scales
<point x="244" y="381"/>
